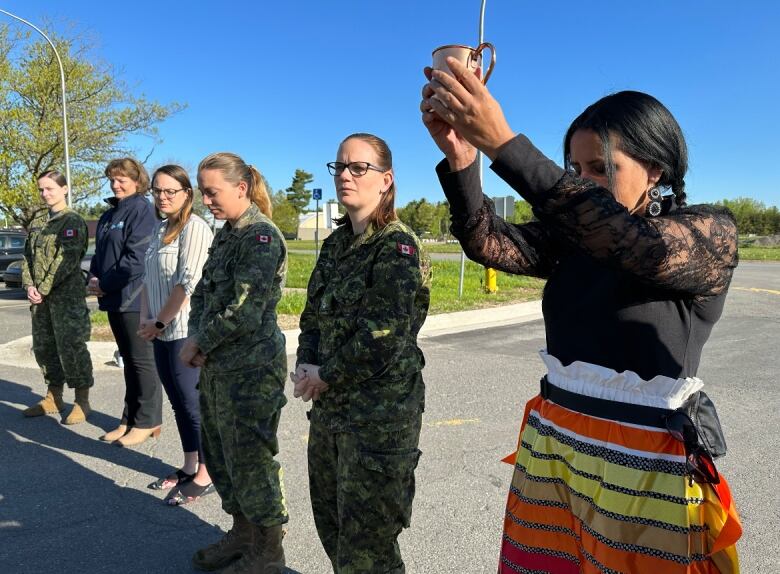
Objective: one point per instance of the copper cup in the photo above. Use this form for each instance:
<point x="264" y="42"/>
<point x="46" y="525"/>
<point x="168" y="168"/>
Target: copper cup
<point x="468" y="56"/>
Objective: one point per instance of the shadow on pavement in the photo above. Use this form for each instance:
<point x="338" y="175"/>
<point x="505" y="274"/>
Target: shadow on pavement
<point x="57" y="516"/>
<point x="13" y="294"/>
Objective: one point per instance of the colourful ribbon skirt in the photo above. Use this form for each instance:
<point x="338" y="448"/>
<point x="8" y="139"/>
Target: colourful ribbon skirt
<point x="594" y="495"/>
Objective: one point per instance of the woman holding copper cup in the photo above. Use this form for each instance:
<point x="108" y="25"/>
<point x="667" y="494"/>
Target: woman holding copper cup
<point x="614" y="468"/>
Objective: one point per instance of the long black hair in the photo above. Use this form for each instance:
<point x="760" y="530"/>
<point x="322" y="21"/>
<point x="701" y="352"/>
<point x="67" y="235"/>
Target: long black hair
<point x="644" y="129"/>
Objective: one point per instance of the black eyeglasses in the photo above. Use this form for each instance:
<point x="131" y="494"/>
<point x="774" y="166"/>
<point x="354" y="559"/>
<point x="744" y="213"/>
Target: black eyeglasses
<point x="698" y="460"/>
<point x="169" y="193"/>
<point x="356" y="168"/>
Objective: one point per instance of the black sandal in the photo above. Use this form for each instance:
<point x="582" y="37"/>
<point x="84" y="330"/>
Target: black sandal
<point x="168" y="482"/>
<point x="187" y="493"/>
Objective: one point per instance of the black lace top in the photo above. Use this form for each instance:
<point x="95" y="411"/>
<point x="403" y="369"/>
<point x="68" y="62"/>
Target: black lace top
<point x="624" y="291"/>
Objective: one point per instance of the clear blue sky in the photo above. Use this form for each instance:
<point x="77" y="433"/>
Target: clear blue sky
<point x="281" y="83"/>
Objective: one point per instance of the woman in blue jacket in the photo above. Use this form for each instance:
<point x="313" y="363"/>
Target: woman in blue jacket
<point x="123" y="236"/>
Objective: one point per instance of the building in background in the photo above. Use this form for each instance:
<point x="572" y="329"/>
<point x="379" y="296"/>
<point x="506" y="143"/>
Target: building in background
<point x="307" y="222"/>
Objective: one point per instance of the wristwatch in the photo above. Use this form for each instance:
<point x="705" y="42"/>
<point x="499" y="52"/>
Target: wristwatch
<point x="160" y="325"/>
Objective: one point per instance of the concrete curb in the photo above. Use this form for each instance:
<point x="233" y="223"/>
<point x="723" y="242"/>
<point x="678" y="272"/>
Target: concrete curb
<point x="18" y="353"/>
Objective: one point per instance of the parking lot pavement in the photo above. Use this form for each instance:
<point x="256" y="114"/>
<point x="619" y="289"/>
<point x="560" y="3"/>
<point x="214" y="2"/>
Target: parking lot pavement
<point x="69" y="503"/>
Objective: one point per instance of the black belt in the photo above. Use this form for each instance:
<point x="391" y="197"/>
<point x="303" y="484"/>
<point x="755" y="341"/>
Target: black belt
<point x="604" y="408"/>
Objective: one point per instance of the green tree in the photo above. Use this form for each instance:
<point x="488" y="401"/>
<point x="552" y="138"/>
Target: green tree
<point x="523" y="213"/>
<point x="198" y="208"/>
<point x="753" y="216"/>
<point x="102" y="113"/>
<point x="419" y="214"/>
<point x="772" y="221"/>
<point x="91" y="211"/>
<point x="284" y="216"/>
<point x="297" y="194"/>
<point x="440" y="225"/>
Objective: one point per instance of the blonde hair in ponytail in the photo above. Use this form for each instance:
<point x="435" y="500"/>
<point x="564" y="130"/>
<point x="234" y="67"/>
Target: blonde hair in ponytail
<point x="235" y="170"/>
<point x="258" y="192"/>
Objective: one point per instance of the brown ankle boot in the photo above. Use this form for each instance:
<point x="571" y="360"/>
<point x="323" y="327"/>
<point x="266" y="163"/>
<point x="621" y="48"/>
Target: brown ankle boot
<point x="136" y="436"/>
<point x="265" y="556"/>
<point x="49" y="405"/>
<point x="81" y="408"/>
<point x="229" y="548"/>
<point x="118" y="432"/>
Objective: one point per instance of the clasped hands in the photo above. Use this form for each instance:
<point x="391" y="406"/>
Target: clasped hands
<point x="147" y="329"/>
<point x="307" y="381"/>
<point x="93" y="287"/>
<point x="34" y="296"/>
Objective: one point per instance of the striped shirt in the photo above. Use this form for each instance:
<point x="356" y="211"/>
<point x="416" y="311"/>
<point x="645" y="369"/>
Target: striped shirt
<point x="178" y="263"/>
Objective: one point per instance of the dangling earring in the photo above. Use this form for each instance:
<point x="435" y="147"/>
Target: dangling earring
<point x="654" y="206"/>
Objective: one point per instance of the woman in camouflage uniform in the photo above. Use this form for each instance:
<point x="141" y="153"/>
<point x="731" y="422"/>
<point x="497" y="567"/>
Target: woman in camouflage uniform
<point x="51" y="274"/>
<point x="358" y="359"/>
<point x="235" y="339"/>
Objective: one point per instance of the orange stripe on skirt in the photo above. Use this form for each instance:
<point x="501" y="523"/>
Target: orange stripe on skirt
<point x="542" y="533"/>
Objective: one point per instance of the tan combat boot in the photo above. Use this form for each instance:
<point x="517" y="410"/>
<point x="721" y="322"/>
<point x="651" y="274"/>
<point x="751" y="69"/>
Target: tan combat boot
<point x="230" y="548"/>
<point x="81" y="408"/>
<point x="266" y="555"/>
<point x="49" y="405"/>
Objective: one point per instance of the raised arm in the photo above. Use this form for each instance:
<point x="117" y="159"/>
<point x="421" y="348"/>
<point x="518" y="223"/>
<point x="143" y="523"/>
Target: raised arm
<point x="526" y="249"/>
<point x="691" y="249"/>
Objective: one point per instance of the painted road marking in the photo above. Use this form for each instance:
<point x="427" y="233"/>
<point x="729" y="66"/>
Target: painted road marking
<point x="757" y="290"/>
<point x="451" y="423"/>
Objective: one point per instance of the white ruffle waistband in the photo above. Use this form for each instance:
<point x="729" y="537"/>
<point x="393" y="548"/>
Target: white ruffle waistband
<point x="626" y="387"/>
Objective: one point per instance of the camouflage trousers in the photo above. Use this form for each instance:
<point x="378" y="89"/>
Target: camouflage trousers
<point x="362" y="487"/>
<point x="240" y="413"/>
<point x="60" y="331"/>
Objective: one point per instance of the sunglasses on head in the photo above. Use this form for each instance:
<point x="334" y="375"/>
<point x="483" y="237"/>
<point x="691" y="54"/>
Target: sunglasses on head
<point x="698" y="460"/>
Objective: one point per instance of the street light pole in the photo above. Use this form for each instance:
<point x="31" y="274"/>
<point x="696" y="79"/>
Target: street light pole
<point x="479" y="155"/>
<point x="490" y="274"/>
<point x="481" y="39"/>
<point x="64" y="98"/>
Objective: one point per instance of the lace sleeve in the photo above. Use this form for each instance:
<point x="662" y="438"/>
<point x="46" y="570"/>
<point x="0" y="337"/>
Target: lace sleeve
<point x="488" y="239"/>
<point x="491" y="241"/>
<point x="691" y="249"/>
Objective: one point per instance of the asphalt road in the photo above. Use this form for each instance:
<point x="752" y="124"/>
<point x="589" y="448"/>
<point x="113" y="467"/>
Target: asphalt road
<point x="69" y="503"/>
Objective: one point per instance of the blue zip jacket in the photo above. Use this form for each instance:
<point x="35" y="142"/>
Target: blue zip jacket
<point x="123" y="235"/>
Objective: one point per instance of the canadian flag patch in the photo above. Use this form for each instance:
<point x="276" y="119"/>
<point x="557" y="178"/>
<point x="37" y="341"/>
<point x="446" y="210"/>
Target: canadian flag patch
<point x="70" y="233"/>
<point x="404" y="249"/>
<point x="263" y="238"/>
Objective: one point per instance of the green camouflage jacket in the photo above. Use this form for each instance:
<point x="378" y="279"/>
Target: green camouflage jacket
<point x="53" y="254"/>
<point x="233" y="307"/>
<point x="367" y="298"/>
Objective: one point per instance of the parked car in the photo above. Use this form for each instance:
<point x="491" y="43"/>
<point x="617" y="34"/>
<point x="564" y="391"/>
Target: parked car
<point x="13" y="275"/>
<point x="85" y="263"/>
<point x="11" y="246"/>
